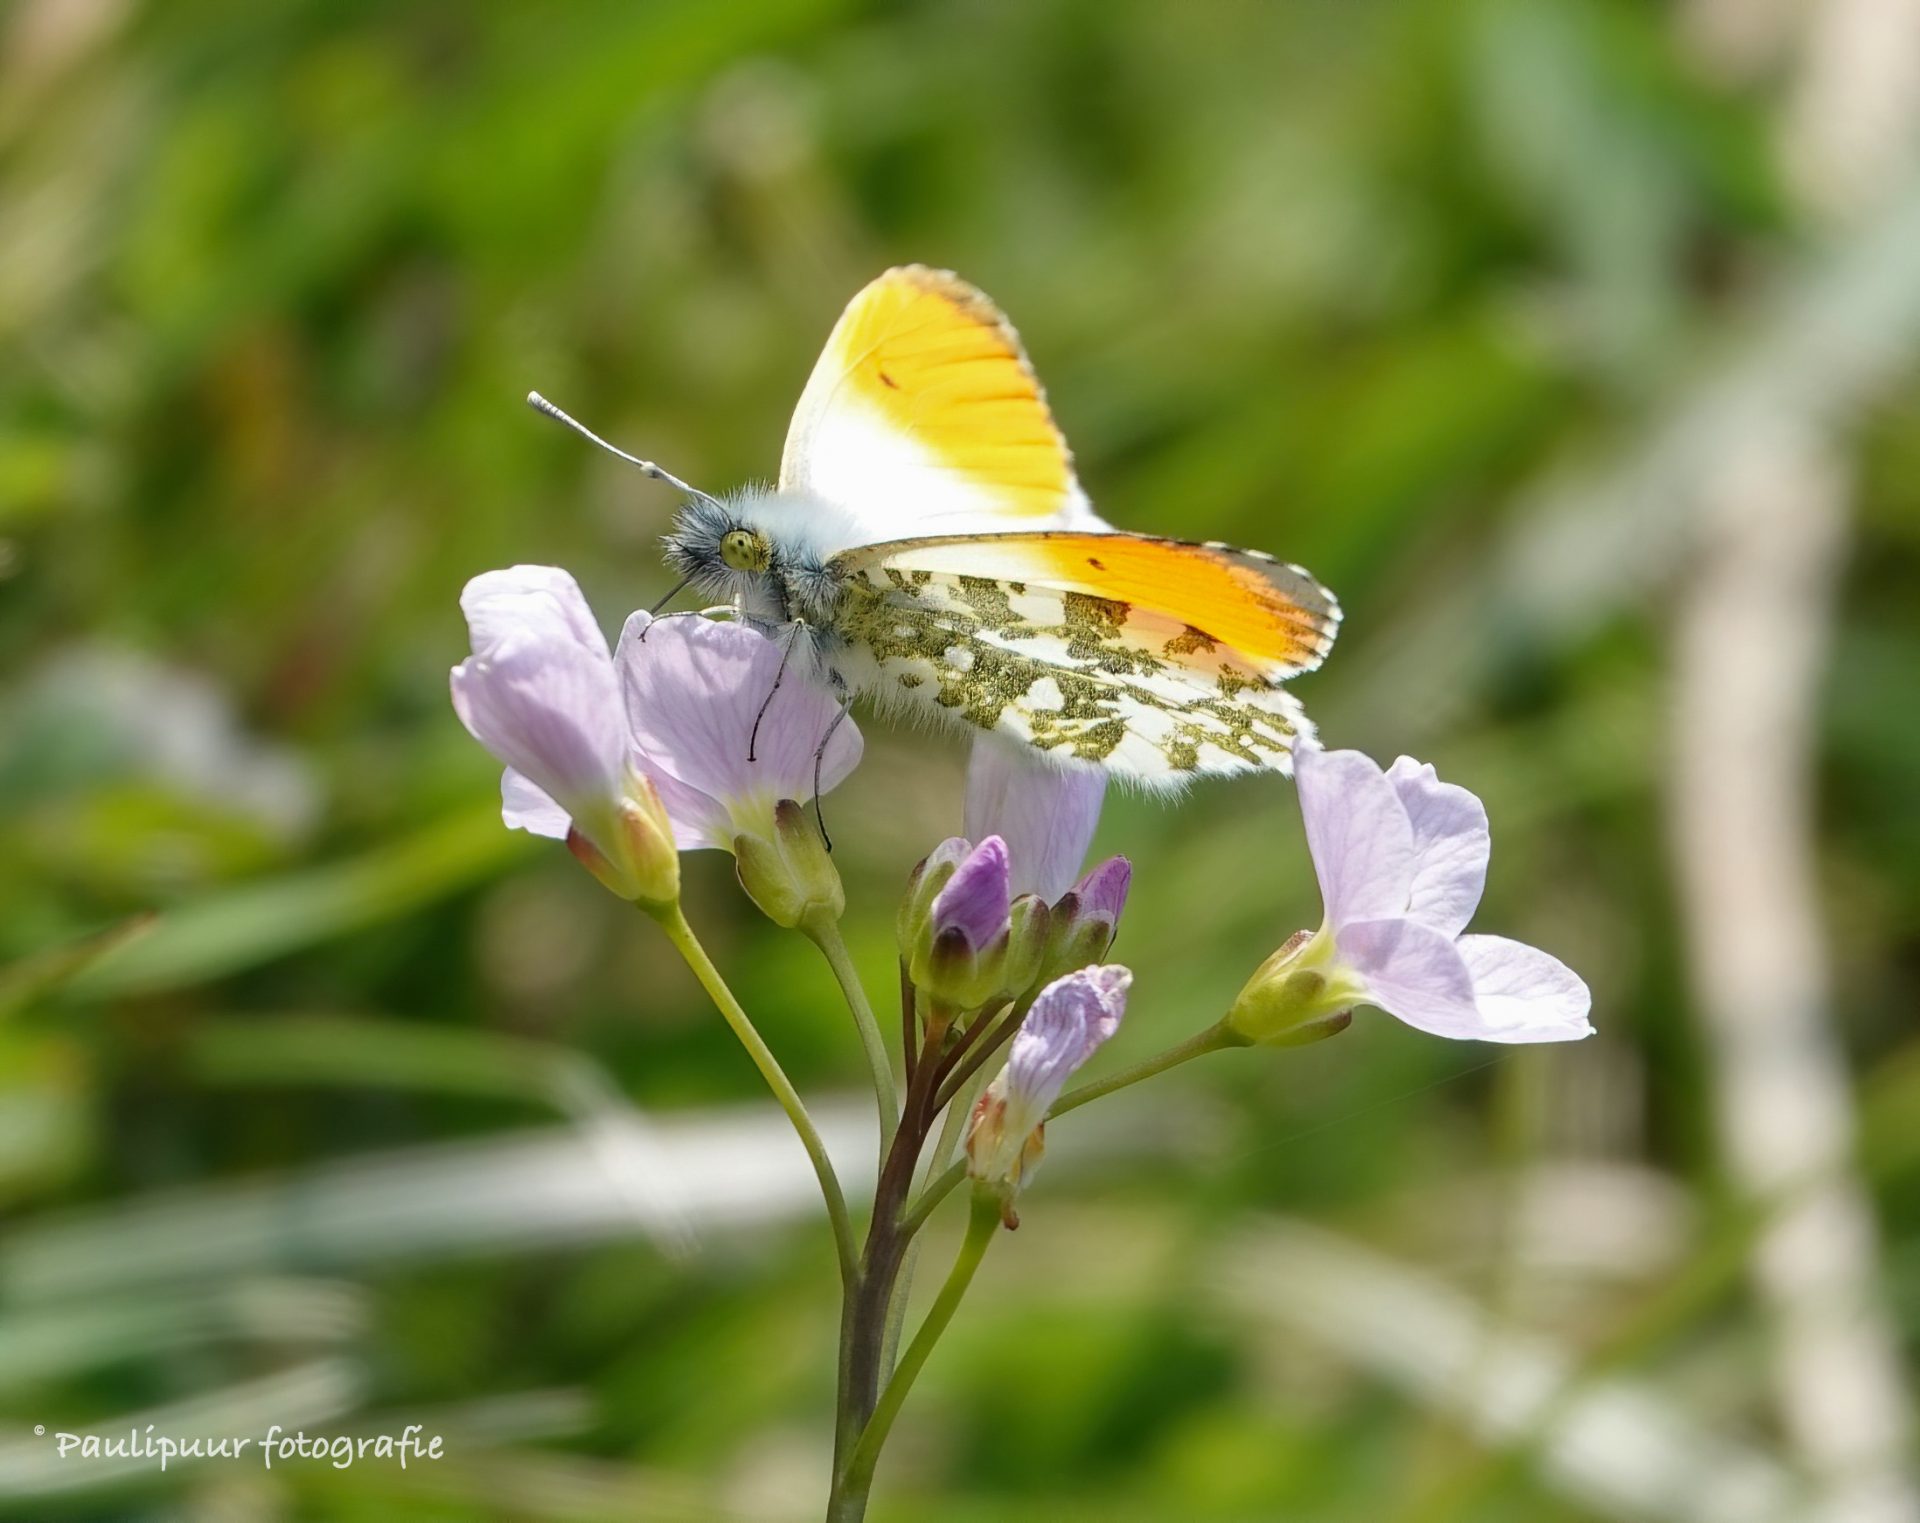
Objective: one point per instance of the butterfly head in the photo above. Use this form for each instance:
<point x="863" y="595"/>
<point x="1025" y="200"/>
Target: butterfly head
<point x="718" y="549"/>
<point x="758" y="549"/>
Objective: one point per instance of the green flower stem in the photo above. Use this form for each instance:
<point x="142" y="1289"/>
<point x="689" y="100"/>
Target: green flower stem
<point x="825" y="934"/>
<point x="986" y="1037"/>
<point x="930" y="1197"/>
<point x="674" y="923"/>
<point x="850" y="1495"/>
<point x="951" y="1126"/>
<point x="1212" y="1039"/>
<point x="897" y="1306"/>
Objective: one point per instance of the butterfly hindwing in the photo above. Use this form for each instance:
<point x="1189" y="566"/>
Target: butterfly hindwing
<point x="1076" y="675"/>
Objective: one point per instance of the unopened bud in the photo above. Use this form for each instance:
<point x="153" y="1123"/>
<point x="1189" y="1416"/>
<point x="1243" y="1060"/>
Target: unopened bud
<point x="924" y="883"/>
<point x="965" y="945"/>
<point x="1002" y="1150"/>
<point x="792" y="877"/>
<point x="1085" y="919"/>
<point x="1070" y="1018"/>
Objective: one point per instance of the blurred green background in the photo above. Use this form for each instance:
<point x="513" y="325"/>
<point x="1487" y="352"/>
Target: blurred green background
<point x="1571" y="344"/>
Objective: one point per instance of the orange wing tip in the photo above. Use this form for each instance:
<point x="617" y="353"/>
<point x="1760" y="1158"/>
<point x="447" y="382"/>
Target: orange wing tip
<point x="1233" y="595"/>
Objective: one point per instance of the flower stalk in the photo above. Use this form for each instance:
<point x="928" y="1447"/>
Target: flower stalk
<point x="856" y="1480"/>
<point x="1215" y="1038"/>
<point x="672" y="921"/>
<point x="825" y="934"/>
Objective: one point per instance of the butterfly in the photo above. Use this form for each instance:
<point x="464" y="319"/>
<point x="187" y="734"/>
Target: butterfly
<point x="928" y="548"/>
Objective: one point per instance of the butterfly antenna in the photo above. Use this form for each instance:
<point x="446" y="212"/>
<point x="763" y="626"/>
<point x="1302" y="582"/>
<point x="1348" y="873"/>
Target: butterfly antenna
<point x="541" y="405"/>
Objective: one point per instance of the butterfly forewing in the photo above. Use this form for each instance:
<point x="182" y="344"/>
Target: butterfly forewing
<point x="923" y="413"/>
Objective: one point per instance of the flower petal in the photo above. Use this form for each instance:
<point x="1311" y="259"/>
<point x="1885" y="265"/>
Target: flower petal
<point x="1413" y="973"/>
<point x="1069" y="1020"/>
<point x="1045" y="813"/>
<point x="1357" y="832"/>
<point x="1523" y="993"/>
<point x="700" y="821"/>
<point x="1451" y="845"/>
<point x="694" y="688"/>
<point x="539" y="690"/>
<point x="975" y="900"/>
<point x="496" y="605"/>
<point x="524" y="807"/>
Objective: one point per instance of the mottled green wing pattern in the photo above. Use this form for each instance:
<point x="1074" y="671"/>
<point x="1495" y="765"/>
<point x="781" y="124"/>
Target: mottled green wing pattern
<point x="1078" y="677"/>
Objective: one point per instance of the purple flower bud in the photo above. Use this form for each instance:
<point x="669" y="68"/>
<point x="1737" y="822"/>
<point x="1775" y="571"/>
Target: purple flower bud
<point x="1085" y="919"/>
<point x="1071" y="1017"/>
<point x="937" y="866"/>
<point x="1069" y="1020"/>
<point x="975" y="901"/>
<point x="1103" y="892"/>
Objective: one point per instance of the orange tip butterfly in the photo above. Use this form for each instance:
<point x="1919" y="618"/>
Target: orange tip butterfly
<point x="929" y="549"/>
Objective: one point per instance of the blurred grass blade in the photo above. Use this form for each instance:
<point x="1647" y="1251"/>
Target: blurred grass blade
<point x="1621" y="1448"/>
<point x="390" y="1054"/>
<point x="242" y="927"/>
<point x="56" y="1343"/>
<point x="523" y="1193"/>
<point x="44" y="973"/>
<point x="723" y="1170"/>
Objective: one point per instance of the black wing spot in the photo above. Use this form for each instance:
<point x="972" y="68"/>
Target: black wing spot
<point x="1097" y="565"/>
<point x="887" y="380"/>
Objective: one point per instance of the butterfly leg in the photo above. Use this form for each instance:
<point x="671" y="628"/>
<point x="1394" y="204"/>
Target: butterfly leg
<point x="678" y="588"/>
<point x="786" y="654"/>
<point x="820" y="753"/>
<point x="717" y="611"/>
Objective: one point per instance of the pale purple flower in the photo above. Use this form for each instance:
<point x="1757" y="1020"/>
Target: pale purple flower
<point x="694" y="688"/>
<point x="1069" y="1020"/>
<point x="622" y="750"/>
<point x="1045" y="812"/>
<point x="1402" y="860"/>
<point x="975" y="903"/>
<point x="539" y="692"/>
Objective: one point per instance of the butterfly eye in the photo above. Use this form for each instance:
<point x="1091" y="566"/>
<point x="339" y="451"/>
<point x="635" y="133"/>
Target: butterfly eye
<point x="743" y="550"/>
